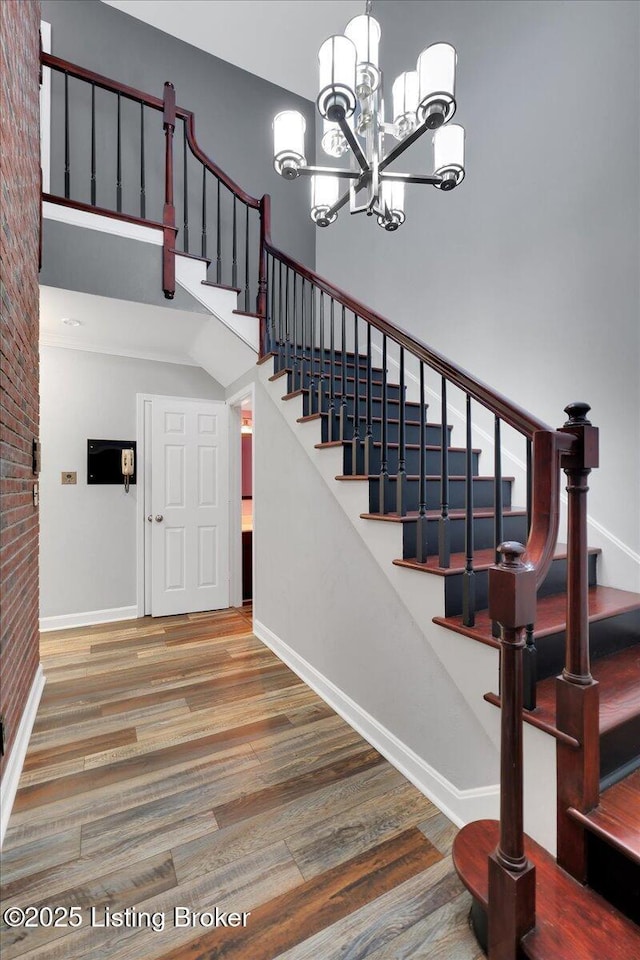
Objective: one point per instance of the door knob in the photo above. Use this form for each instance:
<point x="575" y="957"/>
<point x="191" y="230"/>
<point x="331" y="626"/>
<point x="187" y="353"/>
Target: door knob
<point x="150" y="518"/>
<point x="159" y="518"/>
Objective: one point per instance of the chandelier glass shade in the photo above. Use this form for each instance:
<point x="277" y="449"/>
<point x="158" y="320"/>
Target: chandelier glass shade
<point x="351" y="104"/>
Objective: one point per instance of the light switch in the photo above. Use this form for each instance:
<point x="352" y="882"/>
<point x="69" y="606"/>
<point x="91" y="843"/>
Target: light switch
<point x="69" y="476"/>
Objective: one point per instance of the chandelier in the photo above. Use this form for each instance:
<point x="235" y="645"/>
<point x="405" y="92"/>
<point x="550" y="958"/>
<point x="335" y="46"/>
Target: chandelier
<point x="351" y="105"/>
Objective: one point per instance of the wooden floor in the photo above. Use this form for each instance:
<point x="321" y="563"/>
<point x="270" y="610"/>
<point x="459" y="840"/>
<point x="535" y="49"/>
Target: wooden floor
<point x="177" y="763"/>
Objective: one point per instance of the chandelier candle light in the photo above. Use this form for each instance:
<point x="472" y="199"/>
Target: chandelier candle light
<point x="351" y="104"/>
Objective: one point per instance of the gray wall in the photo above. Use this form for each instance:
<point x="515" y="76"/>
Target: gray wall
<point x="233" y="112"/>
<point x="527" y="275"/>
<point x="88" y="533"/>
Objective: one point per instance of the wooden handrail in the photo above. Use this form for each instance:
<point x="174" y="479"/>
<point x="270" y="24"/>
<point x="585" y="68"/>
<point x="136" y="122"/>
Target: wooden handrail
<point x="510" y="412"/>
<point x="199" y="153"/>
<point x="105" y="83"/>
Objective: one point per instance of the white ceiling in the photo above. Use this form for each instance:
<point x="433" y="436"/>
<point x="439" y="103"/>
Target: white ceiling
<point x="274" y="39"/>
<point x="118" y="327"/>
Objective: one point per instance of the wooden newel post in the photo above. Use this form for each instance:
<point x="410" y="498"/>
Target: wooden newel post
<point x="265" y="236"/>
<point x="577" y="707"/>
<point x="511" y="913"/>
<point x="169" y="210"/>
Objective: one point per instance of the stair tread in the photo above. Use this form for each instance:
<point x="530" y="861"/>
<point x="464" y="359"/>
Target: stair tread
<point x="410" y="476"/>
<point x="551" y="612"/>
<point x="617" y="816"/>
<point x="482" y="560"/>
<point x="408" y="446"/>
<point x="572" y="921"/>
<point x="248" y="313"/>
<point x="412" y="515"/>
<point x="224" y="286"/>
<point x="619" y="677"/>
<point x="191" y="256"/>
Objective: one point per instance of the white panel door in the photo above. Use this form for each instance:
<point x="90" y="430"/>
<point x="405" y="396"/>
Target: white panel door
<point x="189" y="497"/>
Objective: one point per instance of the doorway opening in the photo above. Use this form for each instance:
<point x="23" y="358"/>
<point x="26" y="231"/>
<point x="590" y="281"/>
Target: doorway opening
<point x="242" y="496"/>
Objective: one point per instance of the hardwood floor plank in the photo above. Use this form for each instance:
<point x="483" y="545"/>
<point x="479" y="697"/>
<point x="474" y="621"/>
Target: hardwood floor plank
<point x="80" y="748"/>
<point x="440" y="831"/>
<point x="233" y="842"/>
<point x="300" y="785"/>
<point x="149" y="730"/>
<point x="324" y="845"/>
<point x="178" y="748"/>
<point x="292" y="917"/>
<point x="18" y="861"/>
<point x="377" y="925"/>
<point x="123" y="888"/>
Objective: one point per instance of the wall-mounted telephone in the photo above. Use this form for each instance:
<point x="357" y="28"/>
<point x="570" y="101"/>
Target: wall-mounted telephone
<point x="127" y="466"/>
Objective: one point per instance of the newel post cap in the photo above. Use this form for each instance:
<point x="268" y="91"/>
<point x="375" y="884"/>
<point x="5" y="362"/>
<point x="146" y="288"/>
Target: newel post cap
<point x="512" y="588"/>
<point x="587" y="455"/>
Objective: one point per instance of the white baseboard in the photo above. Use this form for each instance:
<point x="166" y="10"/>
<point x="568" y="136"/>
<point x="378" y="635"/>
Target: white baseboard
<point x="15" y="760"/>
<point x="461" y="806"/>
<point x="88" y="618"/>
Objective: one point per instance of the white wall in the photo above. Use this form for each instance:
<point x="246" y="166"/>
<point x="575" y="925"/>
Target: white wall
<point x="320" y="591"/>
<point x="88" y="533"/>
<point x="527" y="275"/>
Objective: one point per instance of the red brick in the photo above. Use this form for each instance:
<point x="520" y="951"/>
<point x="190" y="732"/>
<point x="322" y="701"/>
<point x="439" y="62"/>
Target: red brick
<point x="19" y="401"/>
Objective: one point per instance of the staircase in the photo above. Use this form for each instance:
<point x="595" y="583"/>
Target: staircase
<point x="384" y="403"/>
<point x="388" y="442"/>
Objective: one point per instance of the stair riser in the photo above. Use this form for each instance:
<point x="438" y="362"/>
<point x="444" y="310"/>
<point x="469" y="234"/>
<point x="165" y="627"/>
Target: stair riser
<point x="324" y="366"/>
<point x="296" y="381"/>
<point x="605" y="637"/>
<point x="411" y="409"/>
<point x="620" y="750"/>
<point x="483" y="494"/>
<point x="614" y="876"/>
<point x="514" y="528"/>
<point x="412" y="432"/>
<point x="457" y="464"/>
<point x="555" y="582"/>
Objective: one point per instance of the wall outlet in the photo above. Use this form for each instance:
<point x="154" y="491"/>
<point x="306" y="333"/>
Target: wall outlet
<point x="69" y="476"/>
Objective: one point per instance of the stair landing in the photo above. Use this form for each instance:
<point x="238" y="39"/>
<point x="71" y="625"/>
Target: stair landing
<point x="572" y="922"/>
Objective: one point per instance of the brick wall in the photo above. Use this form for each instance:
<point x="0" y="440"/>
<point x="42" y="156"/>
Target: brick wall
<point x="19" y="413"/>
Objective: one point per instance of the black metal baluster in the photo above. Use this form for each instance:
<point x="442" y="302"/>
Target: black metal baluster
<point x="498" y="536"/>
<point x="294" y="335"/>
<point x="272" y="329"/>
<point x="234" y="245"/>
<point x="343" y="394"/>
<point x="67" y="158"/>
<point x="93" y="144"/>
<point x="185" y="189"/>
<point x="355" y="438"/>
<point x="312" y="349"/>
<point x="401" y="478"/>
<point x="119" y="159"/>
<point x="368" y="433"/>
<point x="422" y="546"/>
<point x="444" y="523"/>
<point x="332" y="372"/>
<point x="218" y="236"/>
<point x="280" y="310"/>
<point x="321" y="378"/>
<point x="384" y="450"/>
<point x="468" y="579"/>
<point x="287" y="324"/>
<point x="143" y="179"/>
<point x="304" y="318"/>
<point x="204" y="211"/>
<point x="529" y="484"/>
<point x="246" y="260"/>
<point x="530" y="658"/>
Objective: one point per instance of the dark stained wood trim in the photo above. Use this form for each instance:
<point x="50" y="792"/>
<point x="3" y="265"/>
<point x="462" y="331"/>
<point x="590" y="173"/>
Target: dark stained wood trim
<point x="572" y="921"/>
<point x="509" y="412"/>
<point x="101" y="211"/>
<point x="65" y="66"/>
<point x="199" y="153"/>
